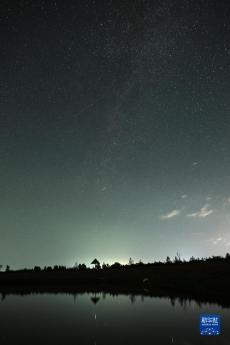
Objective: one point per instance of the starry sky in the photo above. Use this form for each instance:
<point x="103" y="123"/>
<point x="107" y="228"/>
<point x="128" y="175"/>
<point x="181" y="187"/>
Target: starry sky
<point x="115" y="130"/>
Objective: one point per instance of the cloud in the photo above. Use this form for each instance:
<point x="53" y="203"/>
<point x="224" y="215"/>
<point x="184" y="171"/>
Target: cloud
<point x="217" y="240"/>
<point x="170" y="214"/>
<point x="184" y="196"/>
<point x="204" y="212"/>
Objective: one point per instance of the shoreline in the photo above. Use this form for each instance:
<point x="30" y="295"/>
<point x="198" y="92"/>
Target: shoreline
<point x="203" y="282"/>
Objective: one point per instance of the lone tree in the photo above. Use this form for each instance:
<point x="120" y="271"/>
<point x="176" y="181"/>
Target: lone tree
<point x="131" y="262"/>
<point x="96" y="263"/>
<point x="168" y="260"/>
<point x="177" y="257"/>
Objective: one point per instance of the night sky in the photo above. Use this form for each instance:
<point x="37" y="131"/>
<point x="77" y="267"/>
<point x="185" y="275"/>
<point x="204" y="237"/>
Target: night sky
<point x="115" y="130"/>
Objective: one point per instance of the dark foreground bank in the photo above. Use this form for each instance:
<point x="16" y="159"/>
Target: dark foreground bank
<point x="204" y="281"/>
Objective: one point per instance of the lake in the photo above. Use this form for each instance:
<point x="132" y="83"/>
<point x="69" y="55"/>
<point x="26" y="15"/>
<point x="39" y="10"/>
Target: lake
<point x="105" y="319"/>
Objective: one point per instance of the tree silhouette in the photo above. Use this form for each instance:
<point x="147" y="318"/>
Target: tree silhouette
<point x="139" y="263"/>
<point x="177" y="257"/>
<point x="116" y="265"/>
<point x="131" y="262"/>
<point x="82" y="267"/>
<point x="168" y="260"/>
<point x="37" y="268"/>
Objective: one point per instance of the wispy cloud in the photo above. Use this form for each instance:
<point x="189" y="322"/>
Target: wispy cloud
<point x="204" y="212"/>
<point x="170" y="214"/>
<point x="217" y="240"/>
<point x="184" y="196"/>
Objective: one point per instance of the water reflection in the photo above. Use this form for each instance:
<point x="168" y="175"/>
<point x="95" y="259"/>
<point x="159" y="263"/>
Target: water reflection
<point x="95" y="299"/>
<point x="100" y="318"/>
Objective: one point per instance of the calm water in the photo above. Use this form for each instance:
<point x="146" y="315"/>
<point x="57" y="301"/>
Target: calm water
<point x="105" y="319"/>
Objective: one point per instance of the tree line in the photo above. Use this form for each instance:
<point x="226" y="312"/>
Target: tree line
<point x="116" y="265"/>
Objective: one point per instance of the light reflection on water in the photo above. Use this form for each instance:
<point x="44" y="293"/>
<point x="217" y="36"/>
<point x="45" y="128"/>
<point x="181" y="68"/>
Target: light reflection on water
<point x="101" y="318"/>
